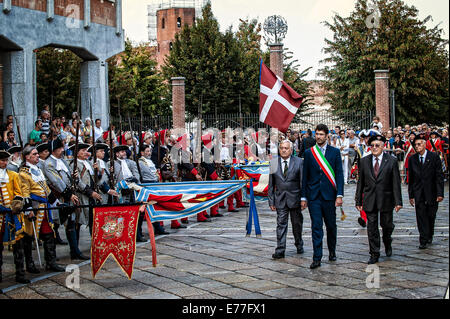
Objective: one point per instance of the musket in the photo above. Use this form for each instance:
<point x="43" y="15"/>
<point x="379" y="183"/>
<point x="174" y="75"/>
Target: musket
<point x="135" y="151"/>
<point x="120" y="122"/>
<point x="141" y="140"/>
<point x="111" y="157"/>
<point x="17" y="124"/>
<point x="75" y="153"/>
<point x="94" y="153"/>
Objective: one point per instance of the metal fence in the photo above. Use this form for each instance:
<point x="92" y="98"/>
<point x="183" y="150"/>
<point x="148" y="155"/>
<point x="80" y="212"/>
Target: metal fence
<point x="356" y="120"/>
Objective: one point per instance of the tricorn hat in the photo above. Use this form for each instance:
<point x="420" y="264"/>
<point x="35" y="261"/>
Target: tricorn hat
<point x="42" y="147"/>
<point x="436" y="133"/>
<point x="54" y="145"/>
<point x="120" y="148"/>
<point x="4" y="154"/>
<point x="98" y="146"/>
<point x="14" y="149"/>
<point x="81" y="146"/>
<point x="420" y="136"/>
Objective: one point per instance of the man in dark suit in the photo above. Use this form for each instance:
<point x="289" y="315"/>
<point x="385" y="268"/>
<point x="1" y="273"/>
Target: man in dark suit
<point x="322" y="191"/>
<point x="307" y="142"/>
<point x="379" y="184"/>
<point x="425" y="188"/>
<point x="285" y="181"/>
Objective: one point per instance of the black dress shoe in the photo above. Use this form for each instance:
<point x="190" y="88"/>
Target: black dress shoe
<point x="185" y="221"/>
<point x="300" y="251"/>
<point x="207" y="216"/>
<point x="388" y="250"/>
<point x="222" y="207"/>
<point x="33" y="270"/>
<point x="277" y="256"/>
<point x="243" y="206"/>
<point x="373" y="260"/>
<point x="164" y="232"/>
<point x="79" y="257"/>
<point x="22" y="280"/>
<point x="218" y="215"/>
<point x="332" y="257"/>
<point x="233" y="211"/>
<point x="423" y="246"/>
<point x="315" y="264"/>
<point x="178" y="227"/>
<point x="55" y="268"/>
<point x="362" y="222"/>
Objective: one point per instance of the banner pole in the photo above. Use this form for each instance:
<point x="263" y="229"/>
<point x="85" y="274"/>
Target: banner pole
<point x="151" y="234"/>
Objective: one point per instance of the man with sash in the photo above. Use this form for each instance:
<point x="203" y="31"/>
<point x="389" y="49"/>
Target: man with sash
<point x="322" y="191"/>
<point x="11" y="217"/>
<point x="59" y="179"/>
<point x="38" y="224"/>
<point x="85" y="188"/>
<point x="378" y="192"/>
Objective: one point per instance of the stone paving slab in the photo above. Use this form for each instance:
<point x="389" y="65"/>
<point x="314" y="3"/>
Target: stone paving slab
<point x="217" y="261"/>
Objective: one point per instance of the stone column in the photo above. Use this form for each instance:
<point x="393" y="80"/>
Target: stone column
<point x="19" y="89"/>
<point x="178" y="103"/>
<point x="94" y="87"/>
<point x="382" y="97"/>
<point x="276" y="59"/>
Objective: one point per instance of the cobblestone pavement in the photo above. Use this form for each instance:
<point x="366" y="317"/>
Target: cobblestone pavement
<point x="216" y="261"/>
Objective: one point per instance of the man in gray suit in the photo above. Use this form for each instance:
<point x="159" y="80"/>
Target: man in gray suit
<point x="285" y="182"/>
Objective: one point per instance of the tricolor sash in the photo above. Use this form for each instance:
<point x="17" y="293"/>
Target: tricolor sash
<point x="324" y="165"/>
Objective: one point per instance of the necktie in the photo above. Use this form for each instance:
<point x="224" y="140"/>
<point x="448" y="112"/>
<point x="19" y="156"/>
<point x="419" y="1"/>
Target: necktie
<point x="376" y="168"/>
<point x="285" y="169"/>
<point x="421" y="160"/>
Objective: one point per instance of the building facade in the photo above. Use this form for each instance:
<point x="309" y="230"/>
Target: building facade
<point x="92" y="29"/>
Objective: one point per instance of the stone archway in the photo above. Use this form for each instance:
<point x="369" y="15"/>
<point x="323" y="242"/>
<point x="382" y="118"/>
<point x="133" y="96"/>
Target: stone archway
<point x="22" y="30"/>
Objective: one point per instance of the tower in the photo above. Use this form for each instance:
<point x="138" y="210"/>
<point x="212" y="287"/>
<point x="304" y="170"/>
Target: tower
<point x="166" y="18"/>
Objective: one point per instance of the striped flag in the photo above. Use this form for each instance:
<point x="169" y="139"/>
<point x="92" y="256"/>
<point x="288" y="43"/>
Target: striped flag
<point x="260" y="175"/>
<point x="169" y="201"/>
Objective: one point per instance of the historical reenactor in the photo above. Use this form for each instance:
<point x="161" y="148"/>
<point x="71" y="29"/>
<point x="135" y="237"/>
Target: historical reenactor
<point x="11" y="218"/>
<point x="16" y="158"/>
<point x="37" y="195"/>
<point x="435" y="143"/>
<point x="59" y="179"/>
<point x="322" y="191"/>
<point x="425" y="189"/>
<point x="150" y="175"/>
<point x="103" y="173"/>
<point x="378" y="192"/>
<point x="410" y="151"/>
<point x="86" y="190"/>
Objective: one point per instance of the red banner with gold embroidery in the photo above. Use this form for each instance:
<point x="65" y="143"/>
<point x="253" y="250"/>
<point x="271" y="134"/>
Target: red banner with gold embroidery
<point x="114" y="233"/>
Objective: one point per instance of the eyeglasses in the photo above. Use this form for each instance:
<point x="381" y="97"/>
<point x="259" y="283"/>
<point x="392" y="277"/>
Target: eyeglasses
<point x="376" y="146"/>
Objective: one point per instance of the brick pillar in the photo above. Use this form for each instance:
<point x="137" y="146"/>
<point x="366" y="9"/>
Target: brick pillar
<point x="178" y="103"/>
<point x="276" y="59"/>
<point x="382" y="97"/>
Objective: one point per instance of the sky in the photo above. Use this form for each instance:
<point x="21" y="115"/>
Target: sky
<point x="306" y="32"/>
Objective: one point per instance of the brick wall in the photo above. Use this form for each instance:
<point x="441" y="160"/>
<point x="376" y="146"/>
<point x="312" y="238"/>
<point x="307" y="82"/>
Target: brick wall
<point x="382" y="97"/>
<point x="276" y="59"/>
<point x="178" y="102"/>
<point x="40" y="5"/>
<point x="103" y="12"/>
<point x="166" y="35"/>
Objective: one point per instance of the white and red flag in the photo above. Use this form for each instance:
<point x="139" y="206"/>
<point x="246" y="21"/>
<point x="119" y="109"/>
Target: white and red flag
<point x="278" y="102"/>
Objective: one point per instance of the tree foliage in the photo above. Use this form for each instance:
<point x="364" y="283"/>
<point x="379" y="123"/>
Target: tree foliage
<point x="58" y="79"/>
<point x="222" y="69"/>
<point x="133" y="78"/>
<point x="415" y="55"/>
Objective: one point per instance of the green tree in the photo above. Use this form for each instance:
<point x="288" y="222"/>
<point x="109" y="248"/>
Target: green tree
<point x="415" y="55"/>
<point x="133" y="77"/>
<point x="58" y="78"/>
